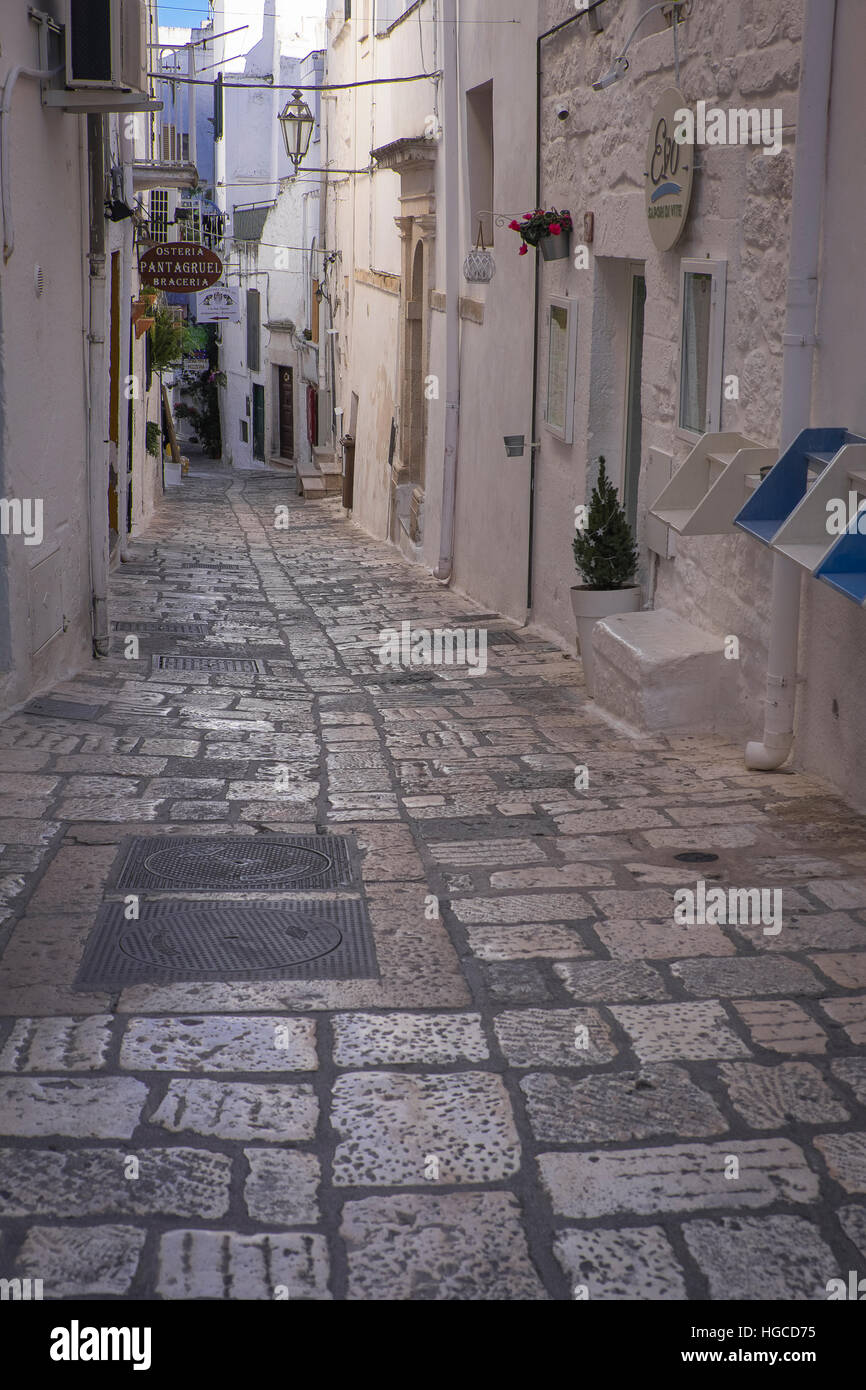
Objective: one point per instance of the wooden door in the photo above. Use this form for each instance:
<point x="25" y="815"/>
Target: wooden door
<point x="258" y="421"/>
<point x="287" y="413"/>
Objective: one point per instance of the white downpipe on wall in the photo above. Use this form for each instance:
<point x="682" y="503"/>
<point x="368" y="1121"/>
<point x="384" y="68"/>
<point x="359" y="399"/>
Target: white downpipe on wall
<point x="453" y="262"/>
<point x="97" y="472"/>
<point x="799" y="341"/>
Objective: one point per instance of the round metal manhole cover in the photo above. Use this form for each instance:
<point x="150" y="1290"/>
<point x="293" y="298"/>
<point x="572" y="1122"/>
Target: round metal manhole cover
<point x="222" y="946"/>
<point x="254" y="865"/>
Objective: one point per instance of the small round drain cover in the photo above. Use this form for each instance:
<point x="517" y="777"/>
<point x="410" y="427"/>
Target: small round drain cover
<point x="183" y="942"/>
<point x="694" y="856"/>
<point x="248" y="866"/>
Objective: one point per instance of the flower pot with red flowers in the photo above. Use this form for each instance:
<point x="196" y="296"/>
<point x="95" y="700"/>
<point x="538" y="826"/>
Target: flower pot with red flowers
<point x="548" y="229"/>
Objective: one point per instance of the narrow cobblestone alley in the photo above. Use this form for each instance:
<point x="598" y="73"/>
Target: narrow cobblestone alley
<point x="549" y="1091"/>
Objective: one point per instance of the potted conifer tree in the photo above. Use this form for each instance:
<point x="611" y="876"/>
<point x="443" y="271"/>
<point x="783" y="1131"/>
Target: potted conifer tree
<point x="606" y="558"/>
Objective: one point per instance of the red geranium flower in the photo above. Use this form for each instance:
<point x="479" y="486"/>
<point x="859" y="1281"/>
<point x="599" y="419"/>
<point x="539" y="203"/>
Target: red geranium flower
<point x="524" y="250"/>
<point x="555" y="228"/>
<point x="514" y="226"/>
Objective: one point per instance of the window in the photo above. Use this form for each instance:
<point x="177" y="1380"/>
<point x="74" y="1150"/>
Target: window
<point x="245" y="432"/>
<point x="253" y="330"/>
<point x="159" y="214"/>
<point x="702" y="333"/>
<point x="561" y="355"/>
<point x="479" y="141"/>
<point x="189" y="222"/>
<point x="389" y="11"/>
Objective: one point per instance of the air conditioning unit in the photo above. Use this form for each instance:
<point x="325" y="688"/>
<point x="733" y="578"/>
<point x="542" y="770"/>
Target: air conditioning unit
<point x="106" y="45"/>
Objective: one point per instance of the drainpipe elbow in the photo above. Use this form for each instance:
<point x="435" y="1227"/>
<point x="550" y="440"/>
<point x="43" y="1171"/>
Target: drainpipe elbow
<point x="769" y="754"/>
<point x="442" y="572"/>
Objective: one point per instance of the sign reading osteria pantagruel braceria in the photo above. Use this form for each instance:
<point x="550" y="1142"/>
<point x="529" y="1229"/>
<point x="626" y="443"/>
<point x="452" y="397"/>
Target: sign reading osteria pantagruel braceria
<point x="669" y="171"/>
<point x="180" y="266"/>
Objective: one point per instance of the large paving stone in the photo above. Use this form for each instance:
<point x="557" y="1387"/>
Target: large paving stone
<point x="852" y="1219"/>
<point x="56" y="1044"/>
<point x="691" y="1032"/>
<point x="282" y="1186"/>
<point x="745" y="975"/>
<point x="847" y="970"/>
<point x="554" y="1038"/>
<point x="219" y="1044"/>
<point x="459" y="1246"/>
<point x="517" y="982"/>
<point x="576" y="875"/>
<point x="681" y="1177"/>
<point x="225" y="1265"/>
<point x="769" y="1097"/>
<point x="781" y="1025"/>
<point x="761" y="1258"/>
<point x="616" y="1108"/>
<point x="94" y="1182"/>
<point x="239" y="1110"/>
<point x="74" y="880"/>
<point x="607" y="981"/>
<point x="529" y="941"/>
<point x="622" y="1264"/>
<point x="107" y="1108"/>
<point x="852" y="1070"/>
<point x="845" y="1155"/>
<point x="810" y="931"/>
<point x="81" y="1261"/>
<point x="393" y="1128"/>
<point x="639" y="939"/>
<point x="484" y="853"/>
<point x="394" y="1038"/>
<point x="521" y="907"/>
<point x="850" y="1015"/>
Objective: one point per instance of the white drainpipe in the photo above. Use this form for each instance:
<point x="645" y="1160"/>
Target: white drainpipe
<point x="799" y="341"/>
<point x="97" y="442"/>
<point x="453" y="259"/>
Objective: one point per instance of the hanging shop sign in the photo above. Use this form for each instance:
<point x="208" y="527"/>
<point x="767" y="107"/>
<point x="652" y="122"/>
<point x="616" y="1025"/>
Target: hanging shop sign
<point x="220" y="304"/>
<point x="669" y="171"/>
<point x="180" y="267"/>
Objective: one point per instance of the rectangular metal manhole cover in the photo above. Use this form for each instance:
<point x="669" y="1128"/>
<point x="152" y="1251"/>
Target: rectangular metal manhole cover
<point x="206" y="567"/>
<point x="240" y="665"/>
<point x="175" y="942"/>
<point x="233" y="863"/>
<point x="61" y="709"/>
<point x="171" y="629"/>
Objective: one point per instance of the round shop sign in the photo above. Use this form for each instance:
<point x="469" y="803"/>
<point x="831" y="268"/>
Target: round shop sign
<point x="669" y="170"/>
<point x="180" y="266"/>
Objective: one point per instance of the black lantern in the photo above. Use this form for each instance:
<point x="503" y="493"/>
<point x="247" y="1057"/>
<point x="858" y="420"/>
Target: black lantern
<point x="297" y="121"/>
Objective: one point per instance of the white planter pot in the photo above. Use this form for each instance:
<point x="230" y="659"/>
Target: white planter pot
<point x="591" y="604"/>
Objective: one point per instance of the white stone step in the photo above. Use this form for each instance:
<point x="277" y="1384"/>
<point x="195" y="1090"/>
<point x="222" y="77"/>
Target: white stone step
<point x="655" y="672"/>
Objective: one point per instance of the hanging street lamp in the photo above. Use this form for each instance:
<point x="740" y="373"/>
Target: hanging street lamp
<point x="297" y="122"/>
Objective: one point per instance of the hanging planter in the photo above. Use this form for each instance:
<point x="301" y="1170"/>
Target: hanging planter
<point x="547" y="228"/>
<point x="479" y="267"/>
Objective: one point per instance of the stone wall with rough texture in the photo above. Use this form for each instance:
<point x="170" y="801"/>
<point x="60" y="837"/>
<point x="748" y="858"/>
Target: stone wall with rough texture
<point x="732" y="55"/>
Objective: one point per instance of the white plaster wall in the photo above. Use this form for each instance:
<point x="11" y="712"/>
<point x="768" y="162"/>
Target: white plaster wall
<point x="44" y="423"/>
<point x="832" y="724"/>
<point x="491" y="533"/>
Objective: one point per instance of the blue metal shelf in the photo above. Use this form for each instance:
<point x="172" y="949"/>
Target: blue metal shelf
<point x="788" y="482"/>
<point x="844" y="565"/>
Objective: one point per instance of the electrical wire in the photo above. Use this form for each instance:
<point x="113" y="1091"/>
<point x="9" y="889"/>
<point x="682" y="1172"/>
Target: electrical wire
<point x="295" y="86"/>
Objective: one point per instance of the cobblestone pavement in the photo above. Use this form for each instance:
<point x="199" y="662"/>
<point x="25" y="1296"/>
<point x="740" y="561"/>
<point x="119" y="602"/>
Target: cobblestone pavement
<point x="550" y="1091"/>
